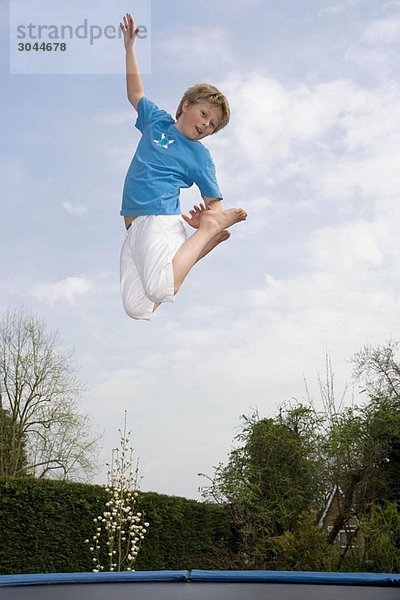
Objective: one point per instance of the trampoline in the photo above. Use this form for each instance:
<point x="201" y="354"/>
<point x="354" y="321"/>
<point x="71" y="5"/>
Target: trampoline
<point x="204" y="585"/>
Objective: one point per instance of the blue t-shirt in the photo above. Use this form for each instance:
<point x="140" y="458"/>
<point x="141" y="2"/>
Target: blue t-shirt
<point x="165" y="161"/>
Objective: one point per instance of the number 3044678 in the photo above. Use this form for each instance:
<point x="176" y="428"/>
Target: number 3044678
<point x="43" y="47"/>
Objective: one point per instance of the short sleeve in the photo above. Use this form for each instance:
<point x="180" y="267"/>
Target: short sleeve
<point x="206" y="179"/>
<point x="148" y="112"/>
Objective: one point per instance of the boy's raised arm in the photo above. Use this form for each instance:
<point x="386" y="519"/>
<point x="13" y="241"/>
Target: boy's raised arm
<point x="134" y="85"/>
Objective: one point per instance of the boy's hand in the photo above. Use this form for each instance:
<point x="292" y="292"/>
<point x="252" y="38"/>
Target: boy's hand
<point x="129" y="30"/>
<point x="194" y="219"/>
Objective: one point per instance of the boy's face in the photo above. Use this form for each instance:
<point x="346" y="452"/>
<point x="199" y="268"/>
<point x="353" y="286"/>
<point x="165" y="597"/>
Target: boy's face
<point x="199" y="120"/>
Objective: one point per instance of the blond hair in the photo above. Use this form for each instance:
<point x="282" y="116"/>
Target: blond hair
<point x="204" y="92"/>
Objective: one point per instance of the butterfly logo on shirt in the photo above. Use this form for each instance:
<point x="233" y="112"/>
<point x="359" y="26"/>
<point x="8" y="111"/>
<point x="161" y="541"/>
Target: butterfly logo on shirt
<point x="164" y="142"/>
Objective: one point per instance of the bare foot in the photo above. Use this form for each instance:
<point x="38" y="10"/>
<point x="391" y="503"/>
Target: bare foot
<point x="221" y="220"/>
<point x="221" y="236"/>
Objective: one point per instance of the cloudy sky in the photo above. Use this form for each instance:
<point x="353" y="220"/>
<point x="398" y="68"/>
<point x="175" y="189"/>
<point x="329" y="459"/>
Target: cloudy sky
<point x="312" y="153"/>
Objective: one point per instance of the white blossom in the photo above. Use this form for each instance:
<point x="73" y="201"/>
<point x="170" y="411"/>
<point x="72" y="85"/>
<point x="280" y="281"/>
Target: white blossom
<point x="119" y="517"/>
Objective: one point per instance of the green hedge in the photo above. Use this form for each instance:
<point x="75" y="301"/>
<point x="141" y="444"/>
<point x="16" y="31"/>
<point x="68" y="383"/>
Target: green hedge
<point x="44" y="524"/>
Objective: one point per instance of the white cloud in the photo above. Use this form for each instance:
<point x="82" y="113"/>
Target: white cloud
<point x="351" y="248"/>
<point x="377" y="62"/>
<point x="338" y="7"/>
<point x="67" y="290"/>
<point x="237" y="5"/>
<point x="197" y="48"/>
<point x="276" y="119"/>
<point x="335" y="9"/>
<point x="259" y="205"/>
<point x="384" y="31"/>
<point x="375" y="51"/>
<point x="334" y="140"/>
<point x="395" y="4"/>
<point x="77" y="210"/>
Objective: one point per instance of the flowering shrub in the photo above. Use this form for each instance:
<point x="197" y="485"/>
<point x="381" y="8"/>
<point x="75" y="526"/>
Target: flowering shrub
<point x="119" y="527"/>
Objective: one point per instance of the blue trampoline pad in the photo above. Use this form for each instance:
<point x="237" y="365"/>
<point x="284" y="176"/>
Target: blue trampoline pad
<point x="204" y="585"/>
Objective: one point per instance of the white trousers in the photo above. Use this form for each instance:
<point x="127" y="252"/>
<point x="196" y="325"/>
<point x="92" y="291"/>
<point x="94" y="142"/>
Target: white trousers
<point x="146" y="262"/>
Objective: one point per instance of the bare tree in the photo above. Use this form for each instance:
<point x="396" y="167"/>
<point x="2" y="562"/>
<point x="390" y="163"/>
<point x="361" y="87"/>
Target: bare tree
<point x="42" y="432"/>
<point x="378" y="370"/>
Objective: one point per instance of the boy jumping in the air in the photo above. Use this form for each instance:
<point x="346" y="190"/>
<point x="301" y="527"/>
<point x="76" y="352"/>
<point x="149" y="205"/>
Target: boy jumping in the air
<point x="157" y="255"/>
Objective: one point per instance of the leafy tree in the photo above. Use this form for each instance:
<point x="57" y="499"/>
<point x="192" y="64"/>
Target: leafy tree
<point x="306" y="547"/>
<point x="44" y="433"/>
<point x="361" y="442"/>
<point x="378" y="370"/>
<point x="279" y="476"/>
<point x="6" y="443"/>
<point x="268" y="481"/>
<point x="380" y="533"/>
<point x="354" y="447"/>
